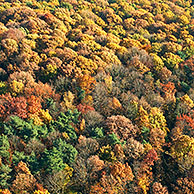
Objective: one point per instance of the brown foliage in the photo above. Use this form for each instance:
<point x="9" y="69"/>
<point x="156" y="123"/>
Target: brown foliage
<point x="157" y="138"/>
<point x="83" y="108"/>
<point x="34" y="104"/>
<point x="183" y="185"/>
<point x="119" y="153"/>
<point x="93" y="118"/>
<point x="169" y="91"/>
<point x="122" y="172"/>
<point x="13" y="33"/>
<point x="70" y="70"/>
<point x="151" y="157"/>
<point x="22" y="168"/>
<point x="86" y="146"/>
<point x="24" y="181"/>
<point x="12" y="106"/>
<point x="133" y="149"/>
<point x="164" y="74"/>
<point x="80" y="173"/>
<point x="184" y="126"/>
<point x="116" y="181"/>
<point x="27" y="61"/>
<point x="157" y="188"/>
<point x="121" y="126"/>
<point x="23" y="77"/>
<point x="35" y="146"/>
<point x="94" y="163"/>
<point x="189" y="63"/>
<point x="42" y="91"/>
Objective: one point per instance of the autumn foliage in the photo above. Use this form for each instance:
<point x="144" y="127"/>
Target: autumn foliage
<point x="96" y="96"/>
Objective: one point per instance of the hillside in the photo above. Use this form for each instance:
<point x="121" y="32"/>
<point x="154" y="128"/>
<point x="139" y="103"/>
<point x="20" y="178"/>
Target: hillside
<point x="96" y="97"/>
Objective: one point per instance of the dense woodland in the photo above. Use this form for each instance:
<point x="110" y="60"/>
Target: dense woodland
<point x="96" y="97"/>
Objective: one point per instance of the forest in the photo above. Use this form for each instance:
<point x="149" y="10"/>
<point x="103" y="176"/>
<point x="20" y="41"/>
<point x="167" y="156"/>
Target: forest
<point x="96" y="97"/>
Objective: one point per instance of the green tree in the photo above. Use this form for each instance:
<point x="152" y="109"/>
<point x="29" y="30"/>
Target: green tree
<point x="55" y="159"/>
<point x="4" y="161"/>
<point x="24" y="129"/>
<point x="4" y="147"/>
<point x="63" y="123"/>
<point x="97" y="132"/>
<point x="52" y="160"/>
<point x="113" y="139"/>
<point x="4" y="175"/>
<point x="67" y="151"/>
